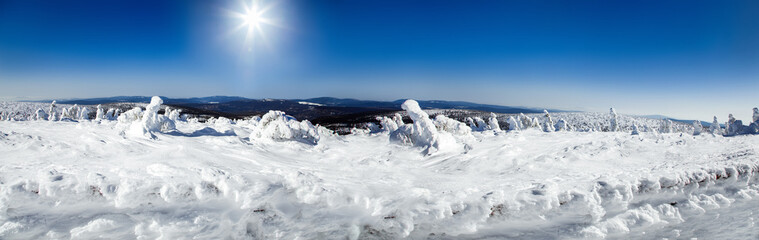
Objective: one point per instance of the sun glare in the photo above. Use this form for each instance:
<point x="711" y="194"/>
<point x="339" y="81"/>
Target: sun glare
<point x="252" y="19"/>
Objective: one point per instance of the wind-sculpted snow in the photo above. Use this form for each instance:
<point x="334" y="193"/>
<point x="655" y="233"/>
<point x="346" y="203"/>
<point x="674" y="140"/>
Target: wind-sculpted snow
<point x="84" y="180"/>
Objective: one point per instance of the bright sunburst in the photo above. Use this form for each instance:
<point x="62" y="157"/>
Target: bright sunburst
<point x="253" y="18"/>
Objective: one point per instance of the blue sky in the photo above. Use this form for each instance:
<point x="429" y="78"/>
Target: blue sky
<point x="685" y="59"/>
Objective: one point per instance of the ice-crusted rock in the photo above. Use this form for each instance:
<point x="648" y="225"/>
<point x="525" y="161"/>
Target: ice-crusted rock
<point x="278" y="126"/>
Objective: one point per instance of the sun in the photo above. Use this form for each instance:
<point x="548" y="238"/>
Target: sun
<point x="253" y="18"/>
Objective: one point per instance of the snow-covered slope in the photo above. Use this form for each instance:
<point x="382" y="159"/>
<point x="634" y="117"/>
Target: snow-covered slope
<point x="279" y="178"/>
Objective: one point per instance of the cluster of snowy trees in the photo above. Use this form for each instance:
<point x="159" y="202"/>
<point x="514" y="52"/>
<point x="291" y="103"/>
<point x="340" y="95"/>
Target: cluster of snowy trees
<point x="430" y="133"/>
<point x="735" y="127"/>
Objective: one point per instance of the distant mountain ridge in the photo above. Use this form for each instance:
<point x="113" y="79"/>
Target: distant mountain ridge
<point x="323" y="101"/>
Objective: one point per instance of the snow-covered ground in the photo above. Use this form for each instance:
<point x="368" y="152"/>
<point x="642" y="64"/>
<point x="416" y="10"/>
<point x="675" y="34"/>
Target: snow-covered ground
<point x="277" y="178"/>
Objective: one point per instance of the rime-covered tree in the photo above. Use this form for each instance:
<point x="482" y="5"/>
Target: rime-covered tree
<point x="715" y="128"/>
<point x="614" y="125"/>
<point x="514" y="124"/>
<point x="99" y="115"/>
<point x="84" y="114"/>
<point x="635" y="130"/>
<point x="697" y="128"/>
<point x="40" y="115"/>
<point x="52" y="112"/>
<point x="548" y="124"/>
<point x="493" y="122"/>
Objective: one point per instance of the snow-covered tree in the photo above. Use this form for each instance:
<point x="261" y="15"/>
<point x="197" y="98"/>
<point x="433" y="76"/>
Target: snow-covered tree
<point x="562" y="125"/>
<point x="733" y="126"/>
<point x="525" y="121"/>
<point x="548" y="124"/>
<point x="84" y="114"/>
<point x="145" y="123"/>
<point x="40" y="115"/>
<point x="99" y="115"/>
<point x="755" y="117"/>
<point x="52" y="112"/>
<point x="398" y="119"/>
<point x="614" y="125"/>
<point x="444" y="123"/>
<point x="278" y="126"/>
<point x="73" y="112"/>
<point x="493" y="122"/>
<point x="635" y="130"/>
<point x="513" y="124"/>
<point x="666" y="126"/>
<point x="116" y="114"/>
<point x="422" y="132"/>
<point x="697" y="127"/>
<point x="153" y="122"/>
<point x="715" y="128"/>
<point x="387" y="124"/>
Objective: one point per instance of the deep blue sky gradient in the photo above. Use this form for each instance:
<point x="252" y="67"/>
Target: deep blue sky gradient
<point x="687" y="59"/>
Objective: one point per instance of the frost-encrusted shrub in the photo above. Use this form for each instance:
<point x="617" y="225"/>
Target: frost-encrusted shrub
<point x="450" y="125"/>
<point x="276" y="125"/>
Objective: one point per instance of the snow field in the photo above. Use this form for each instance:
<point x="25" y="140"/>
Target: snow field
<point x="276" y="177"/>
<point x="87" y="180"/>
